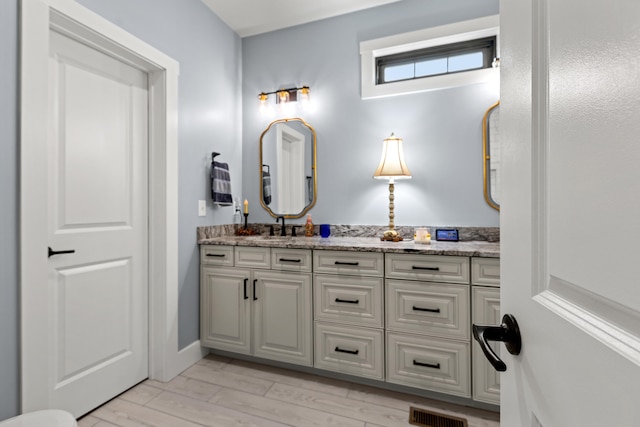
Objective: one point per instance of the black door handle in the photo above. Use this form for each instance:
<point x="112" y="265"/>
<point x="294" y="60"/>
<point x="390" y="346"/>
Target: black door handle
<point x="52" y="252"/>
<point x="255" y="298"/>
<point x="245" y="288"/>
<point x="508" y="332"/>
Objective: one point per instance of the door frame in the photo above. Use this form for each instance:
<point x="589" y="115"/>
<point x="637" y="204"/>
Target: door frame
<point x="76" y="21"/>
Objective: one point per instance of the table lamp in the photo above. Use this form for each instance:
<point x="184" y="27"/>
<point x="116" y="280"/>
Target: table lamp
<point x="392" y="167"/>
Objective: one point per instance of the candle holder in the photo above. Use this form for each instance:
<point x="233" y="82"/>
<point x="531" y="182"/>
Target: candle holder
<point x="245" y="231"/>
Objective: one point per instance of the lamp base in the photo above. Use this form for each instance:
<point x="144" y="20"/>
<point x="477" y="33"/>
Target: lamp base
<point x="391" y="236"/>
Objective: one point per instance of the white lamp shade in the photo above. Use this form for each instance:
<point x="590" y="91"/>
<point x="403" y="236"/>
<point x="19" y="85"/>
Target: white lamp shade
<point x="392" y="165"/>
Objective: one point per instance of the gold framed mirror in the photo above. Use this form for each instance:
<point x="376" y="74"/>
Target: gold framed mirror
<point x="491" y="155"/>
<point x="288" y="176"/>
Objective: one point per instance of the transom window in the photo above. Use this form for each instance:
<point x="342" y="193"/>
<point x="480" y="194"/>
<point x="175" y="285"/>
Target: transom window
<point x="435" y="61"/>
<point x="441" y="57"/>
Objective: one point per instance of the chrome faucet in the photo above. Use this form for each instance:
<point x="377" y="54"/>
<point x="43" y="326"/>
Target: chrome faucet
<point x="283" y="230"/>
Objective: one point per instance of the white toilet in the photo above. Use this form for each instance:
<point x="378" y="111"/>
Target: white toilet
<point x="46" y="418"/>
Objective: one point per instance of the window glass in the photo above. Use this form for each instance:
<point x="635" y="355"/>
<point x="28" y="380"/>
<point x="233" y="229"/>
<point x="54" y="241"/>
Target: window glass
<point x="394" y="73"/>
<point x="466" y="61"/>
<point x="431" y="67"/>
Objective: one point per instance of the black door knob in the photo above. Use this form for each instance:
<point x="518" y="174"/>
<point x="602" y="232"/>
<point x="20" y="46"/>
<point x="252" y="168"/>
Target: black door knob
<point x="508" y="332"/>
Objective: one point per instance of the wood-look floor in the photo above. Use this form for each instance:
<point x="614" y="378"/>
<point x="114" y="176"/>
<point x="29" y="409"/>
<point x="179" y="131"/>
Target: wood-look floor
<point x="223" y="392"/>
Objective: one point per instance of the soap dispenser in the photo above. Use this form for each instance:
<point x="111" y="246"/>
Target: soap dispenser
<point x="308" y="227"/>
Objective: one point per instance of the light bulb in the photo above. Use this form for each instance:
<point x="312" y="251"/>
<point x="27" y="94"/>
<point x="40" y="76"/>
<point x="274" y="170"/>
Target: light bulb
<point x="262" y="98"/>
<point x="304" y="97"/>
<point x="283" y="95"/>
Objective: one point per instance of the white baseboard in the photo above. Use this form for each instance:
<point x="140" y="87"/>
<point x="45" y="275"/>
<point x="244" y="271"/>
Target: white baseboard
<point x="190" y="355"/>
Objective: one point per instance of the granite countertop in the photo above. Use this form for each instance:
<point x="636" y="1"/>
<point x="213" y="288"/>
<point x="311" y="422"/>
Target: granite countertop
<point x="362" y="244"/>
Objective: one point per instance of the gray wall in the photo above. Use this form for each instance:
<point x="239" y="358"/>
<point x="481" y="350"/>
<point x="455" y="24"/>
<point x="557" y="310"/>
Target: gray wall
<point x="209" y="120"/>
<point x="9" y="333"/>
<point x="441" y="129"/>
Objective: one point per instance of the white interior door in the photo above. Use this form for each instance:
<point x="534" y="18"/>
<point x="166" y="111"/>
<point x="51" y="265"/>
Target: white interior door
<point x="570" y="211"/>
<point x="291" y="181"/>
<point x="96" y="325"/>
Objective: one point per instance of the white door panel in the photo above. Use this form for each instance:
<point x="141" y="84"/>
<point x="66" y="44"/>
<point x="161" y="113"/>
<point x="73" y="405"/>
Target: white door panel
<point x="98" y="208"/>
<point x="570" y="209"/>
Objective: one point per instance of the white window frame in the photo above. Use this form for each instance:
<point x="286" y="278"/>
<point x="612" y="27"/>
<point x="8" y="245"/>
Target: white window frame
<point x="462" y="31"/>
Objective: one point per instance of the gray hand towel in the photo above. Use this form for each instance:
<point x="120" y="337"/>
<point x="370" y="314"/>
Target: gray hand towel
<point x="221" y="184"/>
<point x="266" y="187"/>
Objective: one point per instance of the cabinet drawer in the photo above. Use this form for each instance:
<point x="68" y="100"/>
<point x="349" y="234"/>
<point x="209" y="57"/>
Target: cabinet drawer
<point x="485" y="271"/>
<point x="349" y="299"/>
<point x="428" y="308"/>
<point x="429" y="364"/>
<point x="216" y="255"/>
<point x="437" y="268"/>
<point x="349" y="350"/>
<point x="252" y="257"/>
<point x="345" y="262"/>
<point x="291" y="259"/>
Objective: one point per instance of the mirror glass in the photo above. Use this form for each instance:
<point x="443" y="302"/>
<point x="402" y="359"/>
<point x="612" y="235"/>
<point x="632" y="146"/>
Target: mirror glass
<point x="491" y="155"/>
<point x="288" y="180"/>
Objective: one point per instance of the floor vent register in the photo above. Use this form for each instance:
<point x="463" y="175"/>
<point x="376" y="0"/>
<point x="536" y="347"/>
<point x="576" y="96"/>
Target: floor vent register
<point x="424" y="418"/>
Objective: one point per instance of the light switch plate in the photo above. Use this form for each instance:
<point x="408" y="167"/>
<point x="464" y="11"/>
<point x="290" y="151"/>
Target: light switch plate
<point x="202" y="208"/>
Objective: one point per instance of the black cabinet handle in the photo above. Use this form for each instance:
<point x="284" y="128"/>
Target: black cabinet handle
<point x="245" y="288"/>
<point x="508" y="332"/>
<point x="427" y="365"/>
<point x="289" y="260"/>
<point x="52" y="252"/>
<point x="430" y="310"/>
<point x="348" y="301"/>
<point x="417" y="267"/>
<point x="346" y="263"/>
<point x="341" y="350"/>
<point x="217" y="255"/>
<point x="255" y="297"/>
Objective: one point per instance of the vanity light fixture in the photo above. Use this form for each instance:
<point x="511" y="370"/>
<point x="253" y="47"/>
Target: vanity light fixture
<point x="392" y="166"/>
<point x="285" y="96"/>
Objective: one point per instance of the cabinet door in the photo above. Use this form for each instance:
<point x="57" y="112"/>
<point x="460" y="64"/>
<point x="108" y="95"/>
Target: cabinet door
<point x="282" y="321"/>
<point x="486" y="380"/>
<point x="225" y="309"/>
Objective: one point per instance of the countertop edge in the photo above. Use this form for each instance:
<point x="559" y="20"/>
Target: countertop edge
<point x="480" y="249"/>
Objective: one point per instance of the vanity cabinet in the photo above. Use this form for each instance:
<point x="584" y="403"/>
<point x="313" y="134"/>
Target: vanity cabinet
<point x="260" y="306"/>
<point x="428" y="322"/>
<point x="485" y="309"/>
<point x="349" y="312"/>
<point x="400" y="318"/>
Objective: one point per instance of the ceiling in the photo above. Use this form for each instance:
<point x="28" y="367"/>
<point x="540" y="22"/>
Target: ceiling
<point x="251" y="17"/>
